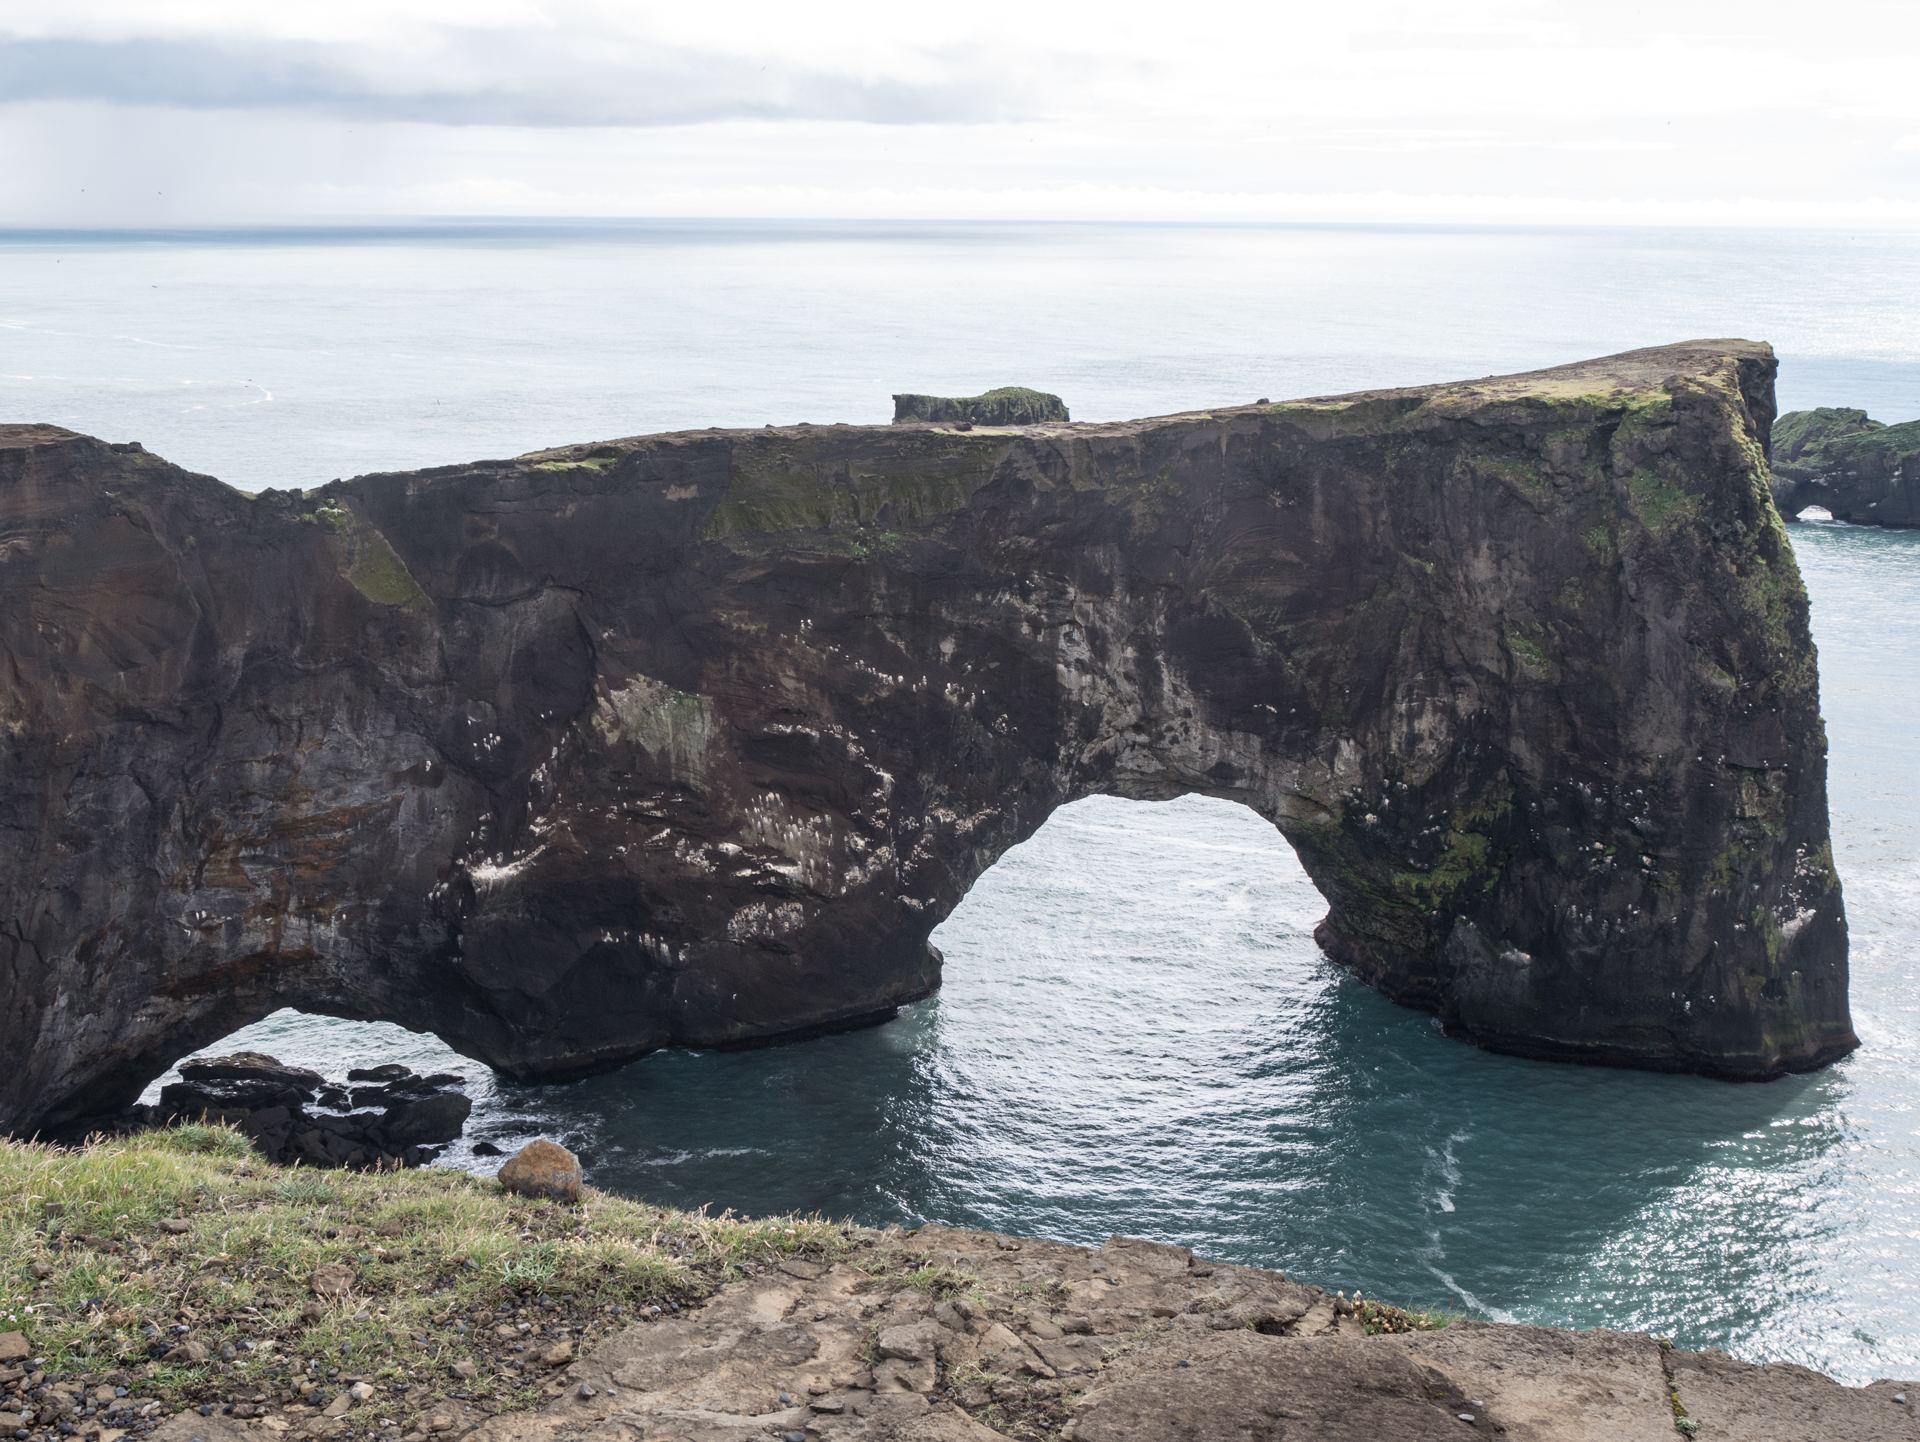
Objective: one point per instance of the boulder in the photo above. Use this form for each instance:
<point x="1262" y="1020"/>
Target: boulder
<point x="390" y="1071"/>
<point x="249" y="1066"/>
<point x="543" y="1169"/>
<point x="436" y="1118"/>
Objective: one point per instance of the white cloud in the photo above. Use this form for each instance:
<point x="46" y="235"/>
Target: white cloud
<point x="184" y="110"/>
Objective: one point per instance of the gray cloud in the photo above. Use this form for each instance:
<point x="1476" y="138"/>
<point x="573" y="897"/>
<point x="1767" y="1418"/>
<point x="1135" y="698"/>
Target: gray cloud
<point x="490" y="79"/>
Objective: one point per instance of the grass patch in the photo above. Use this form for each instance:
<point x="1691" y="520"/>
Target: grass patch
<point x="1379" y="1317"/>
<point x="439" y="1263"/>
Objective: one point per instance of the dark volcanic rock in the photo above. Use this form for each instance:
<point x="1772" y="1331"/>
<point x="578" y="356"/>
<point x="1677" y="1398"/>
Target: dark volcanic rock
<point x="695" y="738"/>
<point x="246" y="1081"/>
<point x="1857" y="468"/>
<point x="1007" y="406"/>
<point x="392" y="1071"/>
<point x="260" y="1096"/>
<point x="437" y="1118"/>
<point x="256" y="1068"/>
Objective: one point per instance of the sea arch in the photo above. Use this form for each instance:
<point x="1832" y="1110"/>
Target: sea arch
<point x="695" y="738"/>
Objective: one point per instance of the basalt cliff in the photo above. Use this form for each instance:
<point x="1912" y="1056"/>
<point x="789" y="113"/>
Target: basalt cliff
<point x="695" y="738"/>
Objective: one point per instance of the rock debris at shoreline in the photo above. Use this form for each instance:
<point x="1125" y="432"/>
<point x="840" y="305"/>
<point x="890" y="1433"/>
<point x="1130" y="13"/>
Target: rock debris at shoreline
<point x="384" y="1116"/>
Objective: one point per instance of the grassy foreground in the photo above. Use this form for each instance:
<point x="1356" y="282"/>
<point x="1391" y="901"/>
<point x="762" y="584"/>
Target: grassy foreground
<point x="115" y="1256"/>
<point x="174" y="1270"/>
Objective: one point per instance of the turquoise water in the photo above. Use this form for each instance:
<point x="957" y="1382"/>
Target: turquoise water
<point x="1137" y="1032"/>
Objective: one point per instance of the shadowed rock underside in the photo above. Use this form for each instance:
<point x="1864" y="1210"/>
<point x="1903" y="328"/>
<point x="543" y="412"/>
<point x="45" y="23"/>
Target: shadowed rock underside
<point x="695" y="738"/>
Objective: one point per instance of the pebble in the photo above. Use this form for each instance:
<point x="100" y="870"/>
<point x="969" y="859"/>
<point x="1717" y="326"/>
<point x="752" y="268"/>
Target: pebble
<point x="1183" y="1363"/>
<point x="795" y="1437"/>
<point x="1464" y="1416"/>
<point x="587" y="1389"/>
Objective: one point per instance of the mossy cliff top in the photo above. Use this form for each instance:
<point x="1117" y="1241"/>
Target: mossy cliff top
<point x="116" y="1255"/>
<point x="1830" y="438"/>
<point x="180" y="1272"/>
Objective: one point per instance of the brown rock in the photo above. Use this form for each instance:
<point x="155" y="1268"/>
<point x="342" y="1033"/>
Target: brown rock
<point x="543" y="1169"/>
<point x="915" y="1343"/>
<point x="186" y="1352"/>
<point x="1597" y="1386"/>
<point x="1241" y="1384"/>
<point x="338" y="1407"/>
<point x="13" y="1347"/>
<point x="39" y="1271"/>
<point x="1782" y="1402"/>
<point x="558" y="1355"/>
<point x="896" y="1374"/>
<point x="465" y="1370"/>
<point x="1002" y="1351"/>
<point x="175" y="1225"/>
<point x="891" y="1406"/>
<point x="332" y="1279"/>
<point x="1138" y="1255"/>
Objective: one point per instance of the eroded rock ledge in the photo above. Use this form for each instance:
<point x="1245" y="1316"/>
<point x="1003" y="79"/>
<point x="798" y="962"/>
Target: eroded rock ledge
<point x="946" y="1335"/>
<point x="695" y="738"/>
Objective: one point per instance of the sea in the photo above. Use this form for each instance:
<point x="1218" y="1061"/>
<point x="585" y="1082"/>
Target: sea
<point x="1137" y="1033"/>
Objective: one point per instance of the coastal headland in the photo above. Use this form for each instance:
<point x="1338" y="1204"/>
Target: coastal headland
<point x="173" y="1286"/>
<point x="695" y="738"/>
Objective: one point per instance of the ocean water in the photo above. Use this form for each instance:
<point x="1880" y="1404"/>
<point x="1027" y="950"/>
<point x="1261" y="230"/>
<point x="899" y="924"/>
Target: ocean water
<point x="1137" y="1032"/>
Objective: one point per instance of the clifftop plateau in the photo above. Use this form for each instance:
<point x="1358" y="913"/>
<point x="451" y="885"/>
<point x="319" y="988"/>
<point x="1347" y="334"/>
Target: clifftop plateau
<point x="695" y="738"/>
<point x="233" y="1301"/>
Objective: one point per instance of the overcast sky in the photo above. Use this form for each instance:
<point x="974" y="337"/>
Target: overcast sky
<point x="203" y="111"/>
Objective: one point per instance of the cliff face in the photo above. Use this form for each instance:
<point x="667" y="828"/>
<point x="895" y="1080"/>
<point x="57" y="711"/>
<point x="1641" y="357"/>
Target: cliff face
<point x="1857" y="468"/>
<point x="695" y="738"/>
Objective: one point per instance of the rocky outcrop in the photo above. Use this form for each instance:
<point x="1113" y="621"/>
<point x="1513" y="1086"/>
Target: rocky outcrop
<point x="695" y="738"/>
<point x="946" y="1335"/>
<point x="1007" y="406"/>
<point x="386" y="1116"/>
<point x="1853" y="467"/>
